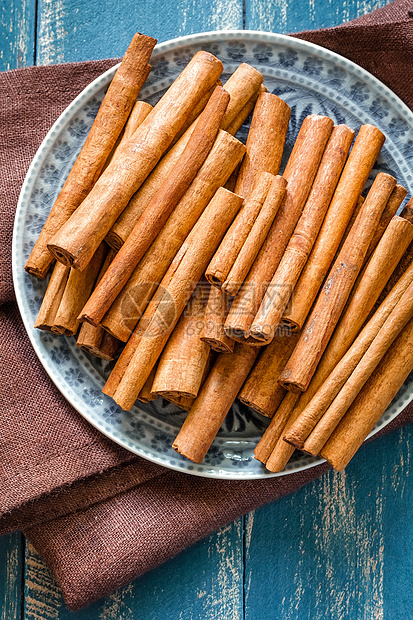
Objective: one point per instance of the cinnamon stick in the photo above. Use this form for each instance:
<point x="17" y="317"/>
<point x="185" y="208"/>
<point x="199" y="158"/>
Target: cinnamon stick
<point x="299" y="173"/>
<point x="372" y="401"/>
<point x="265" y="142"/>
<point x="256" y="237"/>
<point x="136" y="206"/>
<point x="396" y="198"/>
<point x="283" y="451"/>
<point x="261" y="391"/>
<point x="391" y="247"/>
<point x="271" y="441"/>
<point x="195" y="112"/>
<point x="52" y="298"/>
<point x="160" y="207"/>
<point x="334" y="294"/>
<point x="124" y="313"/>
<point x="225" y="256"/>
<point x="215" y="314"/>
<point x="146" y="395"/>
<point x="126" y="355"/>
<point x="138" y="114"/>
<point x="242" y="116"/>
<point x="407" y="212"/>
<point x="213" y="402"/>
<point x="278" y="294"/>
<point x="183" y="361"/>
<point x="112" y="115"/>
<point x="349" y="226"/>
<point x="191" y="263"/>
<point x="349" y="376"/>
<point x="241" y="86"/>
<point x="77" y="240"/>
<point x="186" y="402"/>
<point x="77" y="290"/>
<point x="366" y="148"/>
<point x="95" y="340"/>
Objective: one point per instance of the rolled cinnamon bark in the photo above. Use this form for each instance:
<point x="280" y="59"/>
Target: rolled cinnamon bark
<point x="52" y="298"/>
<point x="398" y="273"/>
<point x="349" y="226"/>
<point x="215" y="314"/>
<point x="95" y="340"/>
<point x="256" y="237"/>
<point x="396" y="198"/>
<point x="278" y="294"/>
<point x="125" y="223"/>
<point x="230" y="184"/>
<point x="366" y="291"/>
<point x="349" y="376"/>
<point x="146" y="395"/>
<point x="195" y="112"/>
<point x="282" y="451"/>
<point x="335" y="292"/>
<point x="118" y="371"/>
<point x="261" y="391"/>
<point x="77" y="240"/>
<point x="213" y="402"/>
<point x="124" y="313"/>
<point x="78" y="288"/>
<point x="193" y="258"/>
<point x="183" y="361"/>
<point x="242" y="116"/>
<point x="271" y="441"/>
<point x="300" y="172"/>
<point x="407" y="212"/>
<point x="138" y="114"/>
<point x="364" y="153"/>
<point x="160" y="207"/>
<point x="186" y="402"/>
<point x="372" y="401"/>
<point x="265" y="142"/>
<point x="111" y="117"/>
<point x="225" y="256"/>
<point x="241" y="86"/>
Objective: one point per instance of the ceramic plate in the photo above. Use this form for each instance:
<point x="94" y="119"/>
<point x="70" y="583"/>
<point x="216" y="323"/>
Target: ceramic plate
<point x="311" y="80"/>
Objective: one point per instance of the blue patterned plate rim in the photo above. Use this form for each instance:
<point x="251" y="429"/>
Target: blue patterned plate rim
<point x="179" y="463"/>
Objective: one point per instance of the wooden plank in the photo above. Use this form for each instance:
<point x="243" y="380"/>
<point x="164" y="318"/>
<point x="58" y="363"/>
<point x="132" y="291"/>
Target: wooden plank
<point x="11" y="575"/>
<point x="341" y="546"/>
<point x="294" y="15"/>
<point x="69" y="31"/>
<point x="204" y="582"/>
<point x="17" y="19"/>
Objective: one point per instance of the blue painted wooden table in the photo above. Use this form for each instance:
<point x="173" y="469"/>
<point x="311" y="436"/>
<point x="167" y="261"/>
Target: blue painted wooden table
<point x="342" y="547"/>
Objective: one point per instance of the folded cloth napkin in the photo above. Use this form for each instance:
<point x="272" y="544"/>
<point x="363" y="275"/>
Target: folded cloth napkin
<point x="98" y="515"/>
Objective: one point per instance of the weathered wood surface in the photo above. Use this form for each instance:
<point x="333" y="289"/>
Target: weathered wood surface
<point x="341" y="548"/>
<point x="11" y="576"/>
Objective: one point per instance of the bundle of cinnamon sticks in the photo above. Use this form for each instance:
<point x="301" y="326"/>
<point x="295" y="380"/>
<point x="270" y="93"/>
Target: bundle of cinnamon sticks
<point x="224" y="278"/>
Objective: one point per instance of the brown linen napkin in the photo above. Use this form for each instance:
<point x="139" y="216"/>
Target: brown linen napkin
<point x="98" y="515"/>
